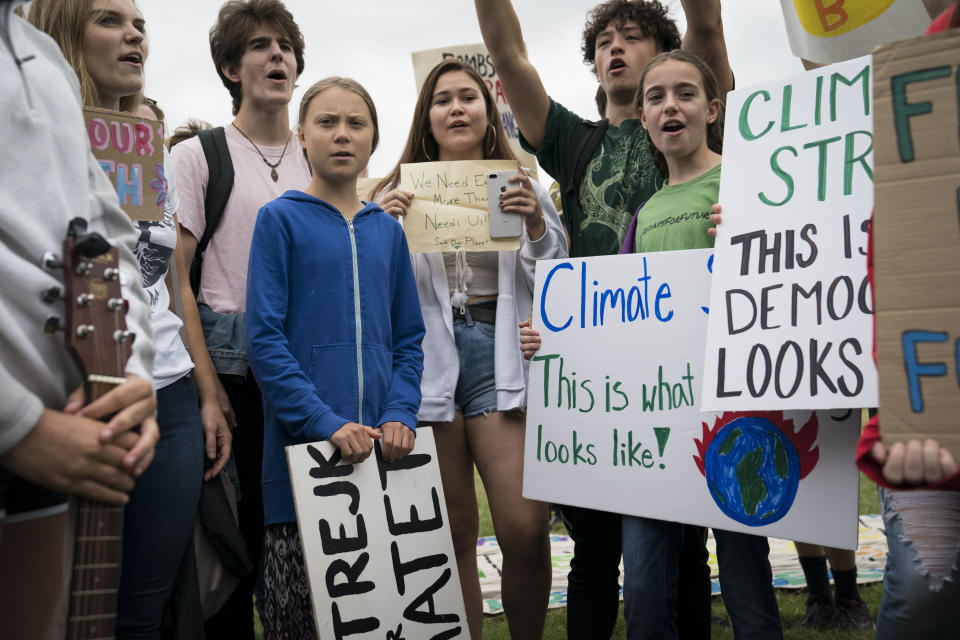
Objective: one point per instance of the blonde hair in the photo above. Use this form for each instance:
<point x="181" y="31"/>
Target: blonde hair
<point x="66" y="22"/>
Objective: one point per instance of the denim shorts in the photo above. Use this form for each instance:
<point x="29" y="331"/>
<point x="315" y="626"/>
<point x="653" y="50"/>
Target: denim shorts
<point x="476" y="391"/>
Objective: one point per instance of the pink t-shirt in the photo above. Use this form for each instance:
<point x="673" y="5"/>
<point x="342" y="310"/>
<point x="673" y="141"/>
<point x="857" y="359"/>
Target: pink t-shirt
<point x="223" y="280"/>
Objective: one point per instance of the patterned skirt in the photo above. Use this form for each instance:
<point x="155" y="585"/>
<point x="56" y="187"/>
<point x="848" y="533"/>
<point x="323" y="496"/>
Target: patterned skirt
<point x="287" y="608"/>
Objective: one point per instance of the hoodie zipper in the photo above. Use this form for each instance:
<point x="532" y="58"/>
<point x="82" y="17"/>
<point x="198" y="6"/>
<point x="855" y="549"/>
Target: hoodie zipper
<point x="358" y="323"/>
<point x="5" y="31"/>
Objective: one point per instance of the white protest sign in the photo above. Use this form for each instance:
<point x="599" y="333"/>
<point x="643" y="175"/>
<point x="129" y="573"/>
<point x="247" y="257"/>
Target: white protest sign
<point x="477" y="57"/>
<point x="828" y="31"/>
<point x="376" y="543"/>
<point x="790" y="321"/>
<point x="613" y="421"/>
<point x="449" y="209"/>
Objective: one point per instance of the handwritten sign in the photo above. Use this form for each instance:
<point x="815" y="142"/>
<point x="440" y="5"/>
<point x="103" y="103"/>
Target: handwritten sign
<point x="790" y="322"/>
<point x="917" y="238"/>
<point x="377" y="544"/>
<point x="130" y="150"/>
<point x="828" y="31"/>
<point x="476" y="56"/>
<point x="449" y="210"/>
<point x="614" y="422"/>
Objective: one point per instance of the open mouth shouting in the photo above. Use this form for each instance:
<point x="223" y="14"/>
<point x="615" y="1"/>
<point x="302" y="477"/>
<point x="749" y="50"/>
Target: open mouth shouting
<point x="277" y="74"/>
<point x="617" y="65"/>
<point x="134" y="57"/>
<point x="673" y="127"/>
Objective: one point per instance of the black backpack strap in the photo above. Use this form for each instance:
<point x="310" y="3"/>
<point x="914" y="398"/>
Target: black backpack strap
<point x="219" y="186"/>
<point x="585" y="141"/>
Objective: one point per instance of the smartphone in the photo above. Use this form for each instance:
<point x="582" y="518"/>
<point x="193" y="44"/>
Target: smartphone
<point x="502" y="225"/>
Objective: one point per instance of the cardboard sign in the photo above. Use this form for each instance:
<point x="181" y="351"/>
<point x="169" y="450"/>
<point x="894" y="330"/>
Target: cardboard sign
<point x="477" y="57"/>
<point x="363" y="188"/>
<point x="449" y="210"/>
<point x="791" y="309"/>
<point x="917" y="238"/>
<point x="130" y="150"/>
<point x="828" y="31"/>
<point x="614" y="423"/>
<point x="376" y="543"/>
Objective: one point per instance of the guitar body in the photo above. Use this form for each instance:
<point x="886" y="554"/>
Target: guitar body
<point x="97" y="338"/>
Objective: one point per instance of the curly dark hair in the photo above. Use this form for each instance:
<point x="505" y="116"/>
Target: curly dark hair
<point x="236" y="21"/>
<point x="650" y="16"/>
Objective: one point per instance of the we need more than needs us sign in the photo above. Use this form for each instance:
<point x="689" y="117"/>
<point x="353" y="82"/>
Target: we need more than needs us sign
<point x="376" y="544"/>
<point x="790" y="305"/>
<point x="614" y="419"/>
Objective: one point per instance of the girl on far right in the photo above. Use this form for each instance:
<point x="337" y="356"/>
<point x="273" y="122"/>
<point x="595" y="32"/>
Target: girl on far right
<point x="919" y="485"/>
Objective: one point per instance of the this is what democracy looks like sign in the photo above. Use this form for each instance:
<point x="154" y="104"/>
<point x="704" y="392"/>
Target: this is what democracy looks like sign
<point x="614" y="422"/>
<point x="790" y="305"/>
<point x="376" y="543"/>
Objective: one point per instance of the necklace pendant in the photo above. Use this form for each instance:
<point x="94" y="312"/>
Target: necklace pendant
<point x="273" y="174"/>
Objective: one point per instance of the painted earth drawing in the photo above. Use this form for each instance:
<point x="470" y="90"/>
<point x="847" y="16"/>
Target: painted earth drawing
<point x="753" y="463"/>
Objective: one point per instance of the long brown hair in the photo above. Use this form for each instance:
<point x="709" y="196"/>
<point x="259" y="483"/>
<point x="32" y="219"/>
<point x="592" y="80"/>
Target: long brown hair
<point x="66" y="22"/>
<point x="711" y="90"/>
<point x="421" y="145"/>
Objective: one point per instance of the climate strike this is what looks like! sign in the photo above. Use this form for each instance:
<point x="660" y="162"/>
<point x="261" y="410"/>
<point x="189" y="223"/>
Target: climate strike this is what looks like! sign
<point x="614" y="419"/>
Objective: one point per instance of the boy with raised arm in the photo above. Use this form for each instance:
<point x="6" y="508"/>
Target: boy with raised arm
<point x="616" y="174"/>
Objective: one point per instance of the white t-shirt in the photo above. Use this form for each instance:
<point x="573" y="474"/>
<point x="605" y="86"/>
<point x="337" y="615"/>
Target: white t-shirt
<point x="154" y="251"/>
<point x="223" y="279"/>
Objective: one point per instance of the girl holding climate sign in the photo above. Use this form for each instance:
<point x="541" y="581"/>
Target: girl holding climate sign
<point x="326" y="269"/>
<point x="474" y="379"/>
<point x="105" y="42"/>
<point x="679" y="106"/>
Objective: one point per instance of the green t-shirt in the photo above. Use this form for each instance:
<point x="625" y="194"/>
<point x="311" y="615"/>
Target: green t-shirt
<point x="619" y="177"/>
<point x="678" y="216"/>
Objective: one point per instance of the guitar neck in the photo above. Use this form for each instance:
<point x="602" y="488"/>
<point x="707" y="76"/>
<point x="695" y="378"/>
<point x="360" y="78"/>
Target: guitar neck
<point x="97" y="548"/>
<point x="97" y="337"/>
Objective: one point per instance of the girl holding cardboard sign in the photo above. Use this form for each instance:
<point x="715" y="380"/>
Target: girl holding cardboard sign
<point x="105" y="42"/>
<point x="474" y="379"/>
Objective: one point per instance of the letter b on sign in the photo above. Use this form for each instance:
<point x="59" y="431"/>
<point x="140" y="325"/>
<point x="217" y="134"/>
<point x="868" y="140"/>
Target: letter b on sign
<point x="825" y="18"/>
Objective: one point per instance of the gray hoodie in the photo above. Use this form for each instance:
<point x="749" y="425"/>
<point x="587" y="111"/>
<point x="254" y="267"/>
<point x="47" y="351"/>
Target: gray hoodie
<point x="47" y="177"/>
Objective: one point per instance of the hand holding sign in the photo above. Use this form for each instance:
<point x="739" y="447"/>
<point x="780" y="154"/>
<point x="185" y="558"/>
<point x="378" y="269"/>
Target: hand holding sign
<point x="449" y="208"/>
<point x="355" y="441"/>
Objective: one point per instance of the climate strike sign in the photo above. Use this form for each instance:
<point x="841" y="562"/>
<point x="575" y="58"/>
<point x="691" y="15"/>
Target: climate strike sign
<point x="790" y="323"/>
<point x="377" y="544"/>
<point x="614" y="422"/>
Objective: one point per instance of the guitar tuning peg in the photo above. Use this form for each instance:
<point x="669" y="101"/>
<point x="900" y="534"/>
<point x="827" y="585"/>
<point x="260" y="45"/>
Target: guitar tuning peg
<point x="51" y="325"/>
<point x="51" y="261"/>
<point x="52" y="294"/>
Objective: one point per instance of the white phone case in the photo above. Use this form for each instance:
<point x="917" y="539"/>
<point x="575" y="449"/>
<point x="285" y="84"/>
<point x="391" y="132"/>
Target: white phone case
<point x="502" y="225"/>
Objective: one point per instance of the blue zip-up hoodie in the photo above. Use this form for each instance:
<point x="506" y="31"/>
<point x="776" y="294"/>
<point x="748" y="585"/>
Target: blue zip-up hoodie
<point x="324" y="351"/>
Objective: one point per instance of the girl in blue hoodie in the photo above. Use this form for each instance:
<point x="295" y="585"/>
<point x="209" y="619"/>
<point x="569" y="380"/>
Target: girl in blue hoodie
<point x="333" y="328"/>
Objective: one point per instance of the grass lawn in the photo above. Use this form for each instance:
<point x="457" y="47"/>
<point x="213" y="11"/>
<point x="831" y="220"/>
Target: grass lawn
<point x="792" y="603"/>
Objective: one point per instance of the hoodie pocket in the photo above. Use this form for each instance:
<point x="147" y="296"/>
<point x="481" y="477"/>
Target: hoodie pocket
<point x="333" y="372"/>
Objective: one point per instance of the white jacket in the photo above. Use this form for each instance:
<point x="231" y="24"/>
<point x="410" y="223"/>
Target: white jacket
<point x="441" y="363"/>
